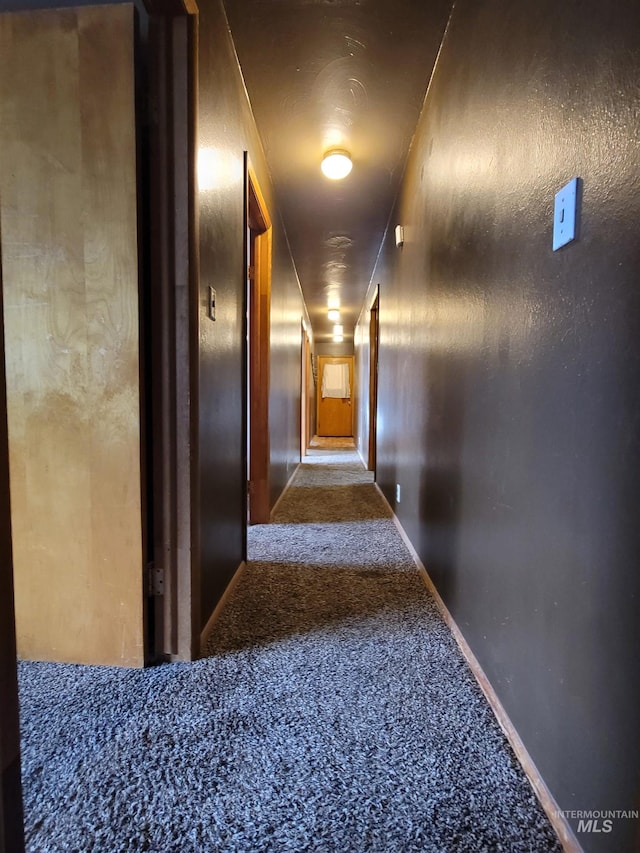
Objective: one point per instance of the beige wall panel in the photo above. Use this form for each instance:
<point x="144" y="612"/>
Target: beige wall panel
<point x="68" y="205"/>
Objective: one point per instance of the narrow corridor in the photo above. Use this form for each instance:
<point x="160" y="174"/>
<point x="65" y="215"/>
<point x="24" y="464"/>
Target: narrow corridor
<point x="333" y="713"/>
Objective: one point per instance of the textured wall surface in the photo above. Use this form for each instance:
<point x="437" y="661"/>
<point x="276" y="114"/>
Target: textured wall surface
<point x="509" y="375"/>
<point x="226" y="130"/>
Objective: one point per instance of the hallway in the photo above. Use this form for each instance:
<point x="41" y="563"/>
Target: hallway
<point x="334" y="711"/>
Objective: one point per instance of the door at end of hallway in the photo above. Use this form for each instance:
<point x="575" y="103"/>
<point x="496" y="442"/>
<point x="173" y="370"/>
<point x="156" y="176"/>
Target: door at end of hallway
<point x="335" y="393"/>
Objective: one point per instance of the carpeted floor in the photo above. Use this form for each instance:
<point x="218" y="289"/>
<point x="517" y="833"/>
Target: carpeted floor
<point x="334" y="712"/>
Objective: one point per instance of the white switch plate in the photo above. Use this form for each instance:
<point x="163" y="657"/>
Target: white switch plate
<point x="397" y="493"/>
<point x="565" y="214"/>
<point x="212" y="303"/>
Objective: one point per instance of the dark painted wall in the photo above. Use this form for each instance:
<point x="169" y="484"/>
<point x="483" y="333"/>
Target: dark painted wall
<point x="286" y="359"/>
<point x="509" y="376"/>
<point x="225" y="130"/>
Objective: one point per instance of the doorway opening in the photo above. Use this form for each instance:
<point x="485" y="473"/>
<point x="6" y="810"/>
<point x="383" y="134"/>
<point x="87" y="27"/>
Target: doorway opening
<point x="374" y="330"/>
<point x="259" y="239"/>
<point x="305" y="400"/>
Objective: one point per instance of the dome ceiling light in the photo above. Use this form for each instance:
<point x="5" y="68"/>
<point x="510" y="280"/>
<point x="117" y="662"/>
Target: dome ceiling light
<point x="336" y="164"/>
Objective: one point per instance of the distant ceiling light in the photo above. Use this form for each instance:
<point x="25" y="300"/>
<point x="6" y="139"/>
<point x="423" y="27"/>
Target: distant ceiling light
<point x="336" y="164"/>
<point x="334" y="315"/>
<point x="338" y="339"/>
<point x="338" y="330"/>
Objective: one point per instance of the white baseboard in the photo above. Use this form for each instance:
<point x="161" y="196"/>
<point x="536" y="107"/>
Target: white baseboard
<point x="564" y="832"/>
<point x="208" y="628"/>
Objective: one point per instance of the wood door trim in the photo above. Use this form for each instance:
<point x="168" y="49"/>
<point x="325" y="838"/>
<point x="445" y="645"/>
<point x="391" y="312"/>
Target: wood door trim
<point x="175" y="320"/>
<point x="260" y="235"/>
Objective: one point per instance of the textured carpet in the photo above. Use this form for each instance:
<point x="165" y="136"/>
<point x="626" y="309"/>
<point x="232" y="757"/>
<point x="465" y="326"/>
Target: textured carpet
<point x="334" y="712"/>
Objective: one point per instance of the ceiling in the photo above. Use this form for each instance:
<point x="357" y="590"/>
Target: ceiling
<point x="350" y="74"/>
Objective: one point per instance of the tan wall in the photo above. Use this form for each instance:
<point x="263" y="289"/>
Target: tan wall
<point x="70" y="269"/>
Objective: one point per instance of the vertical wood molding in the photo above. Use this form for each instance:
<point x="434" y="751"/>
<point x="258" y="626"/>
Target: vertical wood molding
<point x="261" y="234"/>
<point x="174" y="317"/>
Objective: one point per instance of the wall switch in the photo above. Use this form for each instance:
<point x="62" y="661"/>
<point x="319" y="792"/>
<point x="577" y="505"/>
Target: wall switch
<point x="212" y="303"/>
<point x="397" y="493"/>
<point x="565" y="214"/>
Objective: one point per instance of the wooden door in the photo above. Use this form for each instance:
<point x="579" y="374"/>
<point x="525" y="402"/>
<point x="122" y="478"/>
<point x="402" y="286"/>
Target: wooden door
<point x="335" y="414"/>
<point x="68" y="196"/>
<point x="171" y="298"/>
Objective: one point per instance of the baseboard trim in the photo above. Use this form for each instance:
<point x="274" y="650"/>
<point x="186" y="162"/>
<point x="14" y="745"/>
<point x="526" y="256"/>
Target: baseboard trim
<point x="564" y="832"/>
<point x="366" y="467"/>
<point x="208" y="628"/>
<point x="284" y="491"/>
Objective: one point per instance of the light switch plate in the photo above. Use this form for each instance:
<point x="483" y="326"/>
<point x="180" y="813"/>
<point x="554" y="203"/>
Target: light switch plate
<point x="212" y="303"/>
<point x="565" y="214"/>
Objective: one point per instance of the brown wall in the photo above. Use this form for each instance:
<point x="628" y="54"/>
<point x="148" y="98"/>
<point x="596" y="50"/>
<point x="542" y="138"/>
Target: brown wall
<point x="509" y="377"/>
<point x="227" y="128"/>
<point x="70" y="270"/>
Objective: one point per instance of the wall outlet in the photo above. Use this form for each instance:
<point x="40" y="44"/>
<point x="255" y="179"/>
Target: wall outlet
<point x="397" y="493"/>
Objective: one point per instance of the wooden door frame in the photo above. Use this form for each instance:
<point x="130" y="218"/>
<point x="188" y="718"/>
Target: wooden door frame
<point x="174" y="312"/>
<point x="258" y="233"/>
<point x="374" y="338"/>
<point x="305" y="381"/>
<point x="11" y="813"/>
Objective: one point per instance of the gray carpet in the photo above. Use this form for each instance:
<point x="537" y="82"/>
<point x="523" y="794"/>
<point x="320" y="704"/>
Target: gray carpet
<point x="334" y="713"/>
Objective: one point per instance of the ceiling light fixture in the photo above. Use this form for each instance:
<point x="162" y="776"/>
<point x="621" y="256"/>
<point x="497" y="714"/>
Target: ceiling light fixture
<point x="334" y="315"/>
<point x="338" y="339"/>
<point x="337" y="330"/>
<point x="336" y="164"/>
